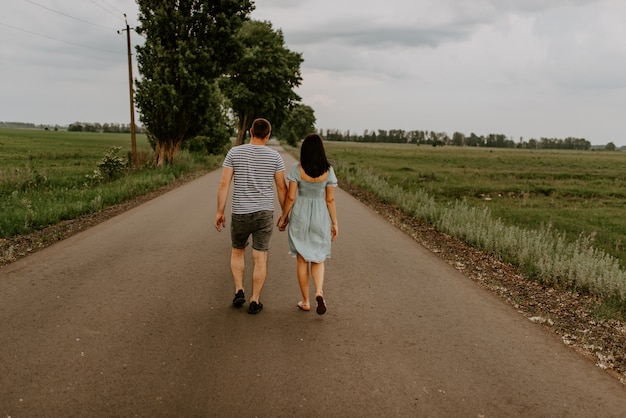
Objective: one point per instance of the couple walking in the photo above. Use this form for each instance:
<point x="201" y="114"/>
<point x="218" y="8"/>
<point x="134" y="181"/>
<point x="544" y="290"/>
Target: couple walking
<point x="308" y="211"/>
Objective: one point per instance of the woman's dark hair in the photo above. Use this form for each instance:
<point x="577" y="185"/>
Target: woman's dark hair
<point x="313" y="157"/>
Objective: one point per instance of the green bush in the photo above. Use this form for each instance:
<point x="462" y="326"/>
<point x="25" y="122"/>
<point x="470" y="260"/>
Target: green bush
<point x="111" y="167"/>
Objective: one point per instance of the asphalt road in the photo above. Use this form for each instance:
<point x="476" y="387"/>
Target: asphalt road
<point x="133" y="317"/>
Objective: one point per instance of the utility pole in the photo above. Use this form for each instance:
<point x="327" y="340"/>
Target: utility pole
<point x="133" y="138"/>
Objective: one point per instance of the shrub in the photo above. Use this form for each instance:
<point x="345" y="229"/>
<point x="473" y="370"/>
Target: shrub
<point x="111" y="166"/>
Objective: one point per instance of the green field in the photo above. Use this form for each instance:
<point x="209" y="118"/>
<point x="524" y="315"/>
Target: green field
<point x="574" y="192"/>
<point x="48" y="176"/>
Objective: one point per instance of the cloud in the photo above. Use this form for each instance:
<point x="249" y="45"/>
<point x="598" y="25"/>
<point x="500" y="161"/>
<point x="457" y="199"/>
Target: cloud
<point x="522" y="68"/>
<point x="64" y="61"/>
<point x="528" y="68"/>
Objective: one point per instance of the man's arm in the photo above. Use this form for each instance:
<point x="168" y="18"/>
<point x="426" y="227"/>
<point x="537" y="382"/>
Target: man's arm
<point x="290" y="199"/>
<point x="281" y="187"/>
<point x="222" y="197"/>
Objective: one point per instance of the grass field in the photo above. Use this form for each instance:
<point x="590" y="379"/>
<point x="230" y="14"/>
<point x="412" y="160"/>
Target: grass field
<point x="47" y="176"/>
<point x="574" y="192"/>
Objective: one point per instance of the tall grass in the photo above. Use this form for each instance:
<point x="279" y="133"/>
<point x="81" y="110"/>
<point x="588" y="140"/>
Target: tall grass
<point x="545" y="254"/>
<point x="576" y="192"/>
<point x="47" y="177"/>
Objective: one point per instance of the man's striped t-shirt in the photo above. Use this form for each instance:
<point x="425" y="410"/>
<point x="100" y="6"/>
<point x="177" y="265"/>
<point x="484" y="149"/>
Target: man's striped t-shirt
<point x="254" y="167"/>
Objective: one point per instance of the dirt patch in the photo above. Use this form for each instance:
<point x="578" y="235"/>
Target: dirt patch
<point x="567" y="314"/>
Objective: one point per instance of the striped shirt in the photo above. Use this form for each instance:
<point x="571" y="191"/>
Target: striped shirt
<point x="254" y="167"/>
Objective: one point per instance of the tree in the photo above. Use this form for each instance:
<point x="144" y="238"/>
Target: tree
<point x="610" y="147"/>
<point x="188" y="45"/>
<point x="300" y="122"/>
<point x="215" y="136"/>
<point x="458" y="139"/>
<point x="75" y="127"/>
<point x="261" y="82"/>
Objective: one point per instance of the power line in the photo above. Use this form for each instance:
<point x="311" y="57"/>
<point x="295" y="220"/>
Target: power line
<point x="69" y="16"/>
<point x="108" y="10"/>
<point x="58" y="40"/>
<point x="111" y="6"/>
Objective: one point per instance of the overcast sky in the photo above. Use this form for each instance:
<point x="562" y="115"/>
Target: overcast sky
<point x="523" y="68"/>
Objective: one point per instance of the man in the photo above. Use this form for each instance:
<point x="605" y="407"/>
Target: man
<point x="255" y="169"/>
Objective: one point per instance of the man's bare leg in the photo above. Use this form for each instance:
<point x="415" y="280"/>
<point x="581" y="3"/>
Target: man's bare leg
<point x="237" y="266"/>
<point x="258" y="274"/>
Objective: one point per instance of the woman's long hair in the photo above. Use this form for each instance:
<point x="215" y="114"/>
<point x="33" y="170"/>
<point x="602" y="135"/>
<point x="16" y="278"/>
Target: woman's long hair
<point x="313" y="157"/>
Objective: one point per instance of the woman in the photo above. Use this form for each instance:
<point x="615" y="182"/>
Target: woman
<point x="310" y="211"/>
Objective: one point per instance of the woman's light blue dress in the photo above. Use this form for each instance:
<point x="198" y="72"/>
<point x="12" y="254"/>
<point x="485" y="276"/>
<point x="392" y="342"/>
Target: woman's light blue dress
<point x="309" y="221"/>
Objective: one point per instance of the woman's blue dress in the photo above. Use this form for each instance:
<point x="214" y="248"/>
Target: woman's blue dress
<point x="309" y="221"/>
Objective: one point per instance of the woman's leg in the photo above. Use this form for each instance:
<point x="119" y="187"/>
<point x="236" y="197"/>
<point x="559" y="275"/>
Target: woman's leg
<point x="317" y="271"/>
<point x="303" y="279"/>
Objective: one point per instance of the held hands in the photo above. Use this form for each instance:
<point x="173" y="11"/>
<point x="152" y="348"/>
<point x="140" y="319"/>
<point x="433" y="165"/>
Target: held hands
<point x="282" y="223"/>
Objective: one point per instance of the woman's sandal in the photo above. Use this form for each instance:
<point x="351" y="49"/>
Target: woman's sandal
<point x="304" y="306"/>
<point x="321" y="305"/>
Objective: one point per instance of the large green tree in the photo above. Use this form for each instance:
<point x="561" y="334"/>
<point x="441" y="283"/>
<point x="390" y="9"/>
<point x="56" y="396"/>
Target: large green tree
<point x="188" y="45"/>
<point x="300" y="122"/>
<point x="261" y="82"/>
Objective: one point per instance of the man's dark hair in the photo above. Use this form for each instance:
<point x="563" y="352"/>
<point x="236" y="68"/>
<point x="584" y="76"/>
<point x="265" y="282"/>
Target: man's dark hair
<point x="260" y="128"/>
<point x="313" y="157"/>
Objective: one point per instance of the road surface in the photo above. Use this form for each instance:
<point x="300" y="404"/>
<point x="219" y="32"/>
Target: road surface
<point x="133" y="317"/>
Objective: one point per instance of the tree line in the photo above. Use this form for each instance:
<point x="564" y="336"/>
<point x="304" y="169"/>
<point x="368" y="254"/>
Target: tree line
<point x="74" y="127"/>
<point x="104" y="127"/>
<point x="459" y="139"/>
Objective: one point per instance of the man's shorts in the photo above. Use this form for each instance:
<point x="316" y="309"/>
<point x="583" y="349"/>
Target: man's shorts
<point x="258" y="224"/>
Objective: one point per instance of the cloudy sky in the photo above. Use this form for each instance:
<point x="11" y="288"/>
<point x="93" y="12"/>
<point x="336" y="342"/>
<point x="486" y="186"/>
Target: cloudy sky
<point x="523" y="68"/>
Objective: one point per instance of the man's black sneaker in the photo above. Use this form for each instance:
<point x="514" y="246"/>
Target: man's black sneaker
<point x="255" y="308"/>
<point x="240" y="299"/>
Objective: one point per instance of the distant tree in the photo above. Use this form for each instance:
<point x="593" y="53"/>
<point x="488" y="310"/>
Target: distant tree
<point x="188" y="45"/>
<point x="397" y="136"/>
<point x="610" y="147"/>
<point x="75" y="127"/>
<point x="437" y="138"/>
<point x="261" y="82"/>
<point x="333" y="135"/>
<point x="499" y="141"/>
<point x="417" y="137"/>
<point x="458" y="139"/>
<point x="475" y="140"/>
<point x="90" y="127"/>
<point x="300" y="122"/>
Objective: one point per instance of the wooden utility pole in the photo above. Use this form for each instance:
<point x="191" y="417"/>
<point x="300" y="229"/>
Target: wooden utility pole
<point x="133" y="138"/>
